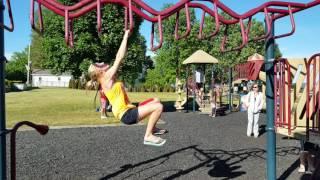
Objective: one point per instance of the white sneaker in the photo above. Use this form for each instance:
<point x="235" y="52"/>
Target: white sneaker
<point x="302" y="169"/>
<point x="103" y="117"/>
<point x="256" y="136"/>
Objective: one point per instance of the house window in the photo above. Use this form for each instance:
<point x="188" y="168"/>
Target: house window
<point x="59" y="78"/>
<point x="40" y="78"/>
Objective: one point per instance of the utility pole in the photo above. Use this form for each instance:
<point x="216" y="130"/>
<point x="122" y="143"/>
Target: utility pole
<point x="28" y="67"/>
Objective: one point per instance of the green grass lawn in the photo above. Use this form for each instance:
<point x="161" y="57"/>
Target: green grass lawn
<point x="62" y="106"/>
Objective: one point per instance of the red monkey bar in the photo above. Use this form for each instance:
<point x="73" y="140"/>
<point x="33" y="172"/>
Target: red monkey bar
<point x="272" y="11"/>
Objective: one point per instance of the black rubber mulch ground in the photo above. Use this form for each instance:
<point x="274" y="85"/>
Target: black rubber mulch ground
<point x="198" y="147"/>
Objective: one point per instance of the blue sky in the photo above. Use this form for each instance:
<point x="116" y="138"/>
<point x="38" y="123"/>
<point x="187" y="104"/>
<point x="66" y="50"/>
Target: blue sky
<point x="303" y="43"/>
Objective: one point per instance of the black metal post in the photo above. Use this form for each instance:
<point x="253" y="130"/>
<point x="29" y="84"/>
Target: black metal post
<point x="204" y="78"/>
<point x="193" y="92"/>
<point x="230" y="89"/>
<point x="3" y="169"/>
<point x="187" y="89"/>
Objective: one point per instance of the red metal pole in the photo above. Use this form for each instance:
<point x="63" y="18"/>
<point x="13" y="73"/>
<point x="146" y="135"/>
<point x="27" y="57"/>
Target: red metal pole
<point x="314" y="86"/>
<point x="289" y="96"/>
<point x="318" y="110"/>
<point x="176" y="32"/>
<point x="292" y="24"/>
<point x="275" y="82"/>
<point x="308" y="100"/>
<point x="42" y="129"/>
<point x="284" y="93"/>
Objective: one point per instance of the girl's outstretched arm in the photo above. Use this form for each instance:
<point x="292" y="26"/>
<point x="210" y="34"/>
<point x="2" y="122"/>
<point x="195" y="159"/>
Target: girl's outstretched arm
<point x="120" y="55"/>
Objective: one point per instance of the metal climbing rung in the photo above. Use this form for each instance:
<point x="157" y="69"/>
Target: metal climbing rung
<point x="282" y="91"/>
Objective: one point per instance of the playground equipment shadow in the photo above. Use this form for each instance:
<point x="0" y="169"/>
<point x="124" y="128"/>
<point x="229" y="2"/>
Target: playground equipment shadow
<point x="198" y="147"/>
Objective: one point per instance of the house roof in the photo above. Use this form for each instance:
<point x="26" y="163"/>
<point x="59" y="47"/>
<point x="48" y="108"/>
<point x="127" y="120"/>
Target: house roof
<point x="200" y="57"/>
<point x="47" y="72"/>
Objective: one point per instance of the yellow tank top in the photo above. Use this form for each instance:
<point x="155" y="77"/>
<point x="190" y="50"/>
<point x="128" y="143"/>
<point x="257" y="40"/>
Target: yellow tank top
<point x="119" y="100"/>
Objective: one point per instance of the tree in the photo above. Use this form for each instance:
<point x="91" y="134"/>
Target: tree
<point x="88" y="45"/>
<point x="16" y="67"/>
<point x="37" y="52"/>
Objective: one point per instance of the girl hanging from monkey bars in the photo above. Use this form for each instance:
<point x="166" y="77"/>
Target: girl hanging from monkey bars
<point x="122" y="109"/>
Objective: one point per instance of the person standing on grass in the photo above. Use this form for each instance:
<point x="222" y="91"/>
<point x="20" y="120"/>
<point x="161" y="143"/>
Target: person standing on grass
<point x="122" y="109"/>
<point x="254" y="105"/>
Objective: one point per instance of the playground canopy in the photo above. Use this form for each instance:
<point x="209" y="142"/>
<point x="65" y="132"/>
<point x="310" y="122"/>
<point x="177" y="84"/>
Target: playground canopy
<point x="256" y="57"/>
<point x="200" y="57"/>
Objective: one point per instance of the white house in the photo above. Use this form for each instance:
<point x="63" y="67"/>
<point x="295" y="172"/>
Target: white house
<point x="41" y="78"/>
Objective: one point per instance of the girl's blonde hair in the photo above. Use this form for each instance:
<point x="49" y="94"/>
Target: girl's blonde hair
<point x="93" y="74"/>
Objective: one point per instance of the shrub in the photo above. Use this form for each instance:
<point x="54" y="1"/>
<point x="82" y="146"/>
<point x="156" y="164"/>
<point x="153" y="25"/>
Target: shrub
<point x="80" y="85"/>
<point x="142" y="89"/>
<point x="130" y="89"/>
<point x="151" y="89"/>
<point x="75" y="84"/>
<point x="157" y="89"/>
<point x="71" y="83"/>
<point x="8" y="85"/>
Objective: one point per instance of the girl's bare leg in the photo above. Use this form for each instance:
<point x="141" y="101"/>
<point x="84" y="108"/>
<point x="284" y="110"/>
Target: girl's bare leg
<point x="153" y="110"/>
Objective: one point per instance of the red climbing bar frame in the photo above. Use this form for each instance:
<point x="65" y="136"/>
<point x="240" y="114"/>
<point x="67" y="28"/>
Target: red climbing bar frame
<point x="99" y="16"/>
<point x="314" y="74"/>
<point x="292" y="25"/>
<point x="42" y="129"/>
<point x="40" y="18"/>
<point x="67" y="29"/>
<point x="312" y="94"/>
<point x="128" y="12"/>
<point x="282" y="89"/>
<point x="32" y="14"/>
<point x="277" y="97"/>
<point x="217" y="23"/>
<point x="268" y="23"/>
<point x="176" y="31"/>
<point x="318" y="100"/>
<point x="274" y="8"/>
<point x="153" y="48"/>
<point x="9" y="28"/>
<point x="244" y="32"/>
<point x="71" y="39"/>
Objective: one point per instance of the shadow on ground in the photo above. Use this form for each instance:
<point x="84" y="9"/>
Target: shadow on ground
<point x="168" y="106"/>
<point x="221" y="163"/>
<point x="262" y="129"/>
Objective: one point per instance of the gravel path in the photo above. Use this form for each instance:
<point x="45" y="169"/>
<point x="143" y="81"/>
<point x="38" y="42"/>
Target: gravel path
<point x="198" y="147"/>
